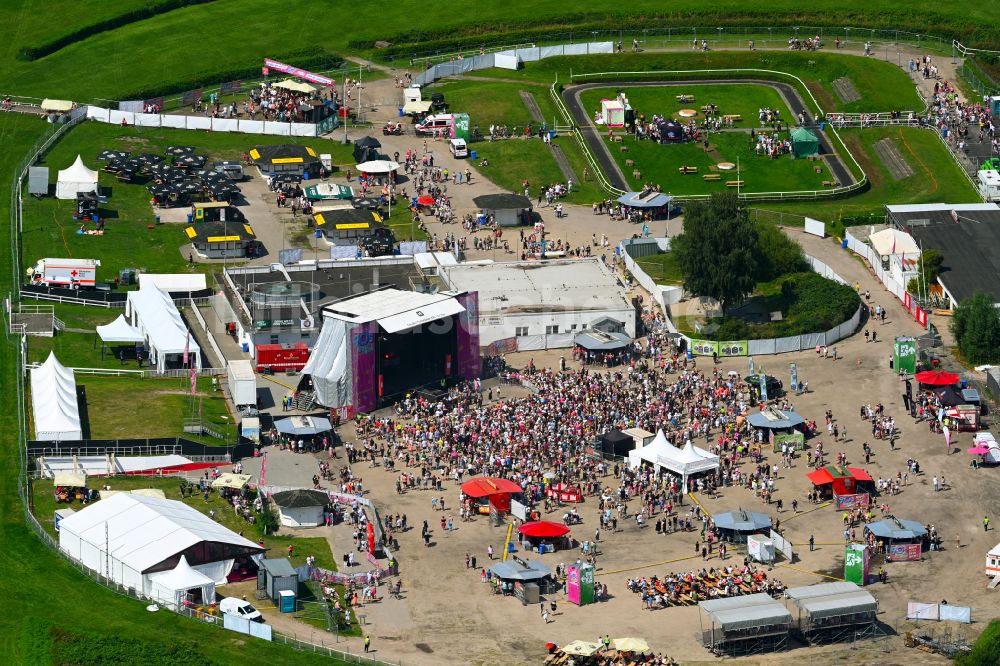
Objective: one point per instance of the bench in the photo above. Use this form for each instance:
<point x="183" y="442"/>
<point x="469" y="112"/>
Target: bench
<point x="831" y="183"/>
<point x="712" y="176"/>
<point x="818" y="169"/>
<point x="705" y="109"/>
<point x="735" y="183"/>
<point x="636" y="174"/>
<point x="685" y="170"/>
<point x="629" y="163"/>
<point x="623" y="149"/>
<point x="685" y="98"/>
<point x="735" y="117"/>
<point x="617" y="138"/>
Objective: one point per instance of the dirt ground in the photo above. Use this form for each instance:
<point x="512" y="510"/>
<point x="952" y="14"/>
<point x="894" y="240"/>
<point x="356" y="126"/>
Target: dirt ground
<point x="447" y="616"/>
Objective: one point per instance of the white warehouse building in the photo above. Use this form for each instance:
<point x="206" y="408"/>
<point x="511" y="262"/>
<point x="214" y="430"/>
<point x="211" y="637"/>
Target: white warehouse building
<point x="544" y="304"/>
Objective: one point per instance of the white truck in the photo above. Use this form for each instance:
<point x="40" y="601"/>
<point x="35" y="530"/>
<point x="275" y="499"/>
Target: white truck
<point x="242" y="382"/>
<point x="989" y="184"/>
<point x="72" y="273"/>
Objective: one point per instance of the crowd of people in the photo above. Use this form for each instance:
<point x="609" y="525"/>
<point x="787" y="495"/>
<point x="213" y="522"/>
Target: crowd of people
<point x="694" y="586"/>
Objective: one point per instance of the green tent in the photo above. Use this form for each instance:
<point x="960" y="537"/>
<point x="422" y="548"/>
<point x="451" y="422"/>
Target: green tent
<point x="804" y="143"/>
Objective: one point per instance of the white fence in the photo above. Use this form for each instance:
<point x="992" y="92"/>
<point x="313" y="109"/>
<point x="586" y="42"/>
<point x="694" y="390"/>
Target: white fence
<point x="244" y="126"/>
<point x="875" y="261"/>
<point x="754" y="347"/>
<point x="464" y="65"/>
<point x="241" y="625"/>
<point x="663" y="295"/>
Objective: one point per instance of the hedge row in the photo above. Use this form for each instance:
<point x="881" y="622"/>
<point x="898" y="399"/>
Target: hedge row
<point x="423" y="42"/>
<point x="48" y="48"/>
<point x="815" y="305"/>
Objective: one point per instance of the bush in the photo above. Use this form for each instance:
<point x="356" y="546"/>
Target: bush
<point x="781" y="255"/>
<point x="976" y="326"/>
<point x="986" y="651"/>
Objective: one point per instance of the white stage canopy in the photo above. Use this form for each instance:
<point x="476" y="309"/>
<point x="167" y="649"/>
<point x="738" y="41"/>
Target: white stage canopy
<point x="75" y="179"/>
<point x="119" y="331"/>
<point x="53" y="402"/>
<point x="153" y="312"/>
<point x="171" y="587"/>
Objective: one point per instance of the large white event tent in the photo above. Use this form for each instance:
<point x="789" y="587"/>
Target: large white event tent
<point x="172" y="587"/>
<point x="120" y="331"/>
<point x="75" y="179"/>
<point x="152" y="311"/>
<point x="684" y="462"/>
<point x="134" y="539"/>
<point x="53" y="402"/>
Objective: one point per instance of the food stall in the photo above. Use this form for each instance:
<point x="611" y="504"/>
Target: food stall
<point x="70" y="485"/>
<point x="780" y="427"/>
<point x="491" y="492"/>
<point x="849" y="487"/>
<point x="962" y="418"/>
<point x="543" y="536"/>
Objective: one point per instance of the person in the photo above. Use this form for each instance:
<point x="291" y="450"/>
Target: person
<point x="368" y="643"/>
<point x="812" y="543"/>
<point x="986" y="523"/>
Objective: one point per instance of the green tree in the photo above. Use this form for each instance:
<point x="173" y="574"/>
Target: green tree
<point x="929" y="268"/>
<point x="780" y="255"/>
<point x="976" y="326"/>
<point x="717" y="253"/>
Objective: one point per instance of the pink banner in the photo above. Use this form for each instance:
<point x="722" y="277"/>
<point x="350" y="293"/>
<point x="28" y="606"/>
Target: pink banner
<point x="573" y="585"/>
<point x="904" y="552"/>
<point x="852" y="501"/>
<point x="300" y="73"/>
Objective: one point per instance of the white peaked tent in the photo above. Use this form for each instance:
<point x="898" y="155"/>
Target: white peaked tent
<point x="153" y="313"/>
<point x="893" y="241"/>
<point x="171" y="587"/>
<point x="329" y="365"/>
<point x="681" y="461"/>
<point x="119" y="331"/>
<point x="53" y="402"/>
<point x="77" y="178"/>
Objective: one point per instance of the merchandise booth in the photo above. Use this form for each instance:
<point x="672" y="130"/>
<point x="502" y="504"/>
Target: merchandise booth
<point x="612" y="113"/>
<point x="738" y="525"/>
<point x="901" y="540"/>
<point x="544" y="536"/>
<point x="849" y="487"/>
<point x="564" y="492"/>
<point x="779" y="427"/>
<point x="491" y="493"/>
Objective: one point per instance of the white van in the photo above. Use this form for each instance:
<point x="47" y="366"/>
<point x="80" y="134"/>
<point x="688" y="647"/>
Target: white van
<point x="458" y="148"/>
<point x="441" y="123"/>
<point x="240" y="608"/>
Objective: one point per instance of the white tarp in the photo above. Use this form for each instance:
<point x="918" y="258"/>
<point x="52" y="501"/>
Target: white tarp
<point x="329" y="365"/>
<point x="153" y="312"/>
<point x="61" y="105"/>
<point x="171" y="587"/>
<point x="507" y="61"/>
<point x="53" y="402"/>
<point x="815" y="227"/>
<point x="919" y="611"/>
<point x="75" y="179"/>
<point x="893" y="241"/>
<point x="119" y="331"/>
<point x="173" y="281"/>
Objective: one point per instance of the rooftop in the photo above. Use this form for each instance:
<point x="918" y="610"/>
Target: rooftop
<point x="967" y="235"/>
<point x="559" y="285"/>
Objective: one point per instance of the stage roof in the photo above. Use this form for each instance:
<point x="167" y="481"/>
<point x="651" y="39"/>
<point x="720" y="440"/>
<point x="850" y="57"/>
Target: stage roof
<point x="394" y="309"/>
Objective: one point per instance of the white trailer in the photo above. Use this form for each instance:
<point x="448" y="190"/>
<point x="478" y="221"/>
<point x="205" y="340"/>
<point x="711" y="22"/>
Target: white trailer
<point x="242" y="382"/>
<point x="989" y="184"/>
<point x="75" y="273"/>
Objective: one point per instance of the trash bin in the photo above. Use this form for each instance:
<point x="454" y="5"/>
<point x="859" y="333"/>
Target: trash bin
<point x="472" y="154"/>
<point x="190" y="218"/>
<point x="400" y="110"/>
<point x="156" y="219"/>
<point x="246" y="347"/>
<point x="843" y="243"/>
<point x="552" y="134"/>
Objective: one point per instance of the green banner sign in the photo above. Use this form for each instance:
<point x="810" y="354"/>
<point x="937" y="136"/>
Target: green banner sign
<point x="905" y="355"/>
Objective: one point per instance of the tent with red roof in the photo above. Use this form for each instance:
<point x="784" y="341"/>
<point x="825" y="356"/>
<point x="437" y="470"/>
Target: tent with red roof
<point x="841" y="480"/>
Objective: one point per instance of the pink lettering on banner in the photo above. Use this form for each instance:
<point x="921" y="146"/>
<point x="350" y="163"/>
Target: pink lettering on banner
<point x="297" y="72"/>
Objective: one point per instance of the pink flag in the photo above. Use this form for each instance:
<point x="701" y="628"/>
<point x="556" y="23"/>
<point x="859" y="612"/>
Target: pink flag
<point x="263" y="468"/>
<point x="187" y="345"/>
<point x="194" y="381"/>
<point x="947" y="437"/>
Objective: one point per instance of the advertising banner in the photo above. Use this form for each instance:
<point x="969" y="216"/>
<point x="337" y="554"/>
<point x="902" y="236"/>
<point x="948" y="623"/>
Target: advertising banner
<point x="856" y="563"/>
<point x="704" y="347"/>
<point x="904" y="552"/>
<point x="905" y="355"/>
<point x="573" y="584"/>
<point x="795" y="377"/>
<point x="732" y="348"/>
<point x="300" y="73"/>
<point x="371" y="537"/>
<point x="586" y="584"/>
<point x="763" y="387"/>
<point x="796" y="440"/>
<point x="852" y="501"/>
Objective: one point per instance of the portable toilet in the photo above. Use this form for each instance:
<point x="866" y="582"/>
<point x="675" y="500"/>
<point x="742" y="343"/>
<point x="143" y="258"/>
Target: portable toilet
<point x="995" y="105"/>
<point x="286" y="601"/>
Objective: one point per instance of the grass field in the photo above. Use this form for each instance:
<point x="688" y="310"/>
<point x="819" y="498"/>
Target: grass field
<point x="129" y="242"/>
<point x="490" y="102"/>
<point x="744" y="100"/>
<point x="662" y="267"/>
<point x="514" y="160"/>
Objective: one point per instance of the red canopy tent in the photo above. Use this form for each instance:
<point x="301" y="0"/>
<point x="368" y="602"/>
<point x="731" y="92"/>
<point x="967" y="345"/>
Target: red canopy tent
<point x="936" y="378"/>
<point x="496" y="491"/>
<point x="842" y="480"/>
<point x="543" y="529"/>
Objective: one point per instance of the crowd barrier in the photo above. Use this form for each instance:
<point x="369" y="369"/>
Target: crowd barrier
<point x="510" y="57"/>
<point x="884" y="276"/>
<point x="245" y="126"/>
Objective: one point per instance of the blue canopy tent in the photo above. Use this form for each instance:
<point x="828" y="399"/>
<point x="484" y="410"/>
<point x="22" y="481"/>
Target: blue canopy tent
<point x="303" y="425"/>
<point x="738" y="524"/>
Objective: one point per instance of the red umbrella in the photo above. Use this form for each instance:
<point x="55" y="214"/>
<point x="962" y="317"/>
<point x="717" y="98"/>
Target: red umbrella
<point x="484" y="486"/>
<point x="937" y="378"/>
<point x="543" y="529"/>
<point x="425" y="200"/>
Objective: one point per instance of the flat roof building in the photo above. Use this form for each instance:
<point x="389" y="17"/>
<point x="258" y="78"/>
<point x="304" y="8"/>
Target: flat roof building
<point x="542" y="304"/>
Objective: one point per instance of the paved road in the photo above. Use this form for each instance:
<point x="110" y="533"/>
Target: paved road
<point x="571" y="97"/>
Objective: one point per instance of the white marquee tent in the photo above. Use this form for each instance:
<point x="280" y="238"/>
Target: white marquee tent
<point x="893" y="241"/>
<point x="119" y="331"/>
<point x="683" y="462"/>
<point x="153" y="312"/>
<point x="53" y="402"/>
<point x="171" y="587"/>
<point x="132" y="538"/>
<point x="77" y="178"/>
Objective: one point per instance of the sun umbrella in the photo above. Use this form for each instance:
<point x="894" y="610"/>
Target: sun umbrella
<point x="581" y="648"/>
<point x="979" y="449"/>
<point x="936" y="378"/>
<point x="543" y="529"/>
<point x="426" y="200"/>
<point x="631" y="644"/>
<point x="378" y="166"/>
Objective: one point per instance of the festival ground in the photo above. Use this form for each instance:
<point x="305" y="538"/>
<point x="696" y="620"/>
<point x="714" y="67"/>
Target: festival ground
<point x="446" y="608"/>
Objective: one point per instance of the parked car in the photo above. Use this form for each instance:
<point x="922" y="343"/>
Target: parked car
<point x="240" y="608"/>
